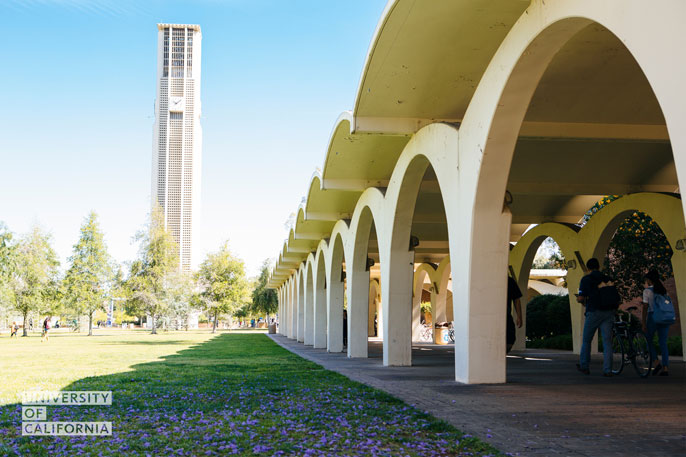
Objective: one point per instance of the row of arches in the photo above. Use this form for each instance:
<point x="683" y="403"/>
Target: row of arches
<point x="315" y="325"/>
<point x="579" y="244"/>
<point x="404" y="191"/>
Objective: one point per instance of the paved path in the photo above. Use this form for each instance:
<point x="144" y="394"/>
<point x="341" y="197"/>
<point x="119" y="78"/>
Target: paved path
<point x="547" y="408"/>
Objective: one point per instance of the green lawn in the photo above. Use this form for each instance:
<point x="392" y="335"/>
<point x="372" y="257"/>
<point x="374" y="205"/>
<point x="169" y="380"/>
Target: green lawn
<point x="189" y="393"/>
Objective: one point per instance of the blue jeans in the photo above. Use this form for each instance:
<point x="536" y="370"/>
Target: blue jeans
<point x="661" y="330"/>
<point x="594" y="321"/>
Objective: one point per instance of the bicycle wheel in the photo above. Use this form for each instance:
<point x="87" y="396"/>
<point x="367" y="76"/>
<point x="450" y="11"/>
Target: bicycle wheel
<point x="641" y="359"/>
<point x="617" y="354"/>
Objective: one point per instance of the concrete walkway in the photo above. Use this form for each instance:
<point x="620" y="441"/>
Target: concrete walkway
<point x="547" y="408"/>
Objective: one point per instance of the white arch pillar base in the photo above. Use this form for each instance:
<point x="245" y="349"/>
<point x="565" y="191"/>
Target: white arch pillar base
<point x="478" y="309"/>
<point x="358" y="310"/>
<point x="319" y="317"/>
<point x="397" y="308"/>
<point x="334" y="325"/>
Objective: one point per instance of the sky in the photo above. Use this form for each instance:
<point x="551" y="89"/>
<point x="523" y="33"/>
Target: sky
<point x="79" y="81"/>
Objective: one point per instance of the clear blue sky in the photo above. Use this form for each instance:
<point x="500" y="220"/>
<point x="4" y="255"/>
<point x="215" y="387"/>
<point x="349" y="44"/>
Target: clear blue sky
<point x="78" y="81"/>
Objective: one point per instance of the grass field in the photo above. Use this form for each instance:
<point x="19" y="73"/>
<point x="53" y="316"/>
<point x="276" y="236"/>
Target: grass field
<point x="192" y="393"/>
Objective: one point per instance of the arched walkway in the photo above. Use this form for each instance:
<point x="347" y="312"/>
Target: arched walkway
<point x="505" y="136"/>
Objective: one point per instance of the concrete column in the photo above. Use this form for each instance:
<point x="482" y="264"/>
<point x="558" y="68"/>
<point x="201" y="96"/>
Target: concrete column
<point x="300" y="299"/>
<point x="309" y="308"/>
<point x="334" y="329"/>
<point x="438" y="307"/>
<point x="319" y="308"/>
<point x="283" y="326"/>
<point x="358" y="307"/>
<point x="438" y="302"/>
<point x="372" y="312"/>
<point x="278" y="295"/>
<point x="379" y="319"/>
<point x="481" y="299"/>
<point x="576" y="309"/>
<point x="450" y="317"/>
<point x="397" y="275"/>
<point x="293" y="326"/>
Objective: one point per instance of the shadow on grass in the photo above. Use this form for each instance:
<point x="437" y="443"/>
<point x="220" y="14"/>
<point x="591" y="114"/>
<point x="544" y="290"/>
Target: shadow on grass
<point x="145" y="343"/>
<point x="240" y="394"/>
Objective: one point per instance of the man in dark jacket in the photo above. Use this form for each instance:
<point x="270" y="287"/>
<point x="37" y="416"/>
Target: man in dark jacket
<point x="596" y="318"/>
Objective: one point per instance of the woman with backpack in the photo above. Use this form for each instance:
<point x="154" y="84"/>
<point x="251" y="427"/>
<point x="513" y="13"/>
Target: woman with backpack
<point x="657" y="317"/>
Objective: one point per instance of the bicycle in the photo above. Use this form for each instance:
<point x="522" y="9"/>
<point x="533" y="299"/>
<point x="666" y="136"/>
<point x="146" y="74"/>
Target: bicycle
<point x="630" y="345"/>
<point x="426" y="334"/>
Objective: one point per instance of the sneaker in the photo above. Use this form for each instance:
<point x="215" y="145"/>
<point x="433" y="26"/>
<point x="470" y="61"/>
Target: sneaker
<point x="583" y="370"/>
<point x="657" y="369"/>
<point x="607" y="375"/>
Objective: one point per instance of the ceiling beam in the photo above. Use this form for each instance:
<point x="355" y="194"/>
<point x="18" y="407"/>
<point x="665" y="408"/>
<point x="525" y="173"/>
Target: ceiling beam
<point x="577" y="188"/>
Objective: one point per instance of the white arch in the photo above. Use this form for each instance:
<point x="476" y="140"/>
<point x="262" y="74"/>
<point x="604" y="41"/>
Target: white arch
<point x="421" y="273"/>
<point x="491" y="125"/>
<point x="368" y="211"/>
<point x="309" y="300"/>
<point x="335" y="287"/>
<point x="320" y="307"/>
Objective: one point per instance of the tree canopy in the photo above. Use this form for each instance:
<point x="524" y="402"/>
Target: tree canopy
<point x="87" y="281"/>
<point x="222" y="282"/>
<point x="7" y="266"/>
<point x="637" y="246"/>
<point x="149" y="275"/>
<point x="33" y="282"/>
<point x="264" y="300"/>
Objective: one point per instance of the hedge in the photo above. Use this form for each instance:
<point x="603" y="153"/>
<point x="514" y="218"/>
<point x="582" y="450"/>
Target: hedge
<point x="548" y="315"/>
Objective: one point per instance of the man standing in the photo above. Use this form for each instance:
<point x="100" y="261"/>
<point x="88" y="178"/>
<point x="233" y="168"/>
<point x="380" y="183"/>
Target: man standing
<point x="513" y="297"/>
<point x="596" y="318"/>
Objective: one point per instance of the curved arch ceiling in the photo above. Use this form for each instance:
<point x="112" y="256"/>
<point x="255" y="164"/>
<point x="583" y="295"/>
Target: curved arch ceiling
<point x="423" y="65"/>
<point x="401" y="90"/>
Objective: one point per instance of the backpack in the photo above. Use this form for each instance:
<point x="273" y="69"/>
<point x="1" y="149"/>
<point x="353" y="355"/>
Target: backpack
<point x="663" y="310"/>
<point x="608" y="297"/>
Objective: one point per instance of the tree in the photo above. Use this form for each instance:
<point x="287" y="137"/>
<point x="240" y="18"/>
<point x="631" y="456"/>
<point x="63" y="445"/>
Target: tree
<point x="264" y="300"/>
<point x="157" y="260"/>
<point x="7" y="267"/>
<point x="33" y="283"/>
<point x="179" y="298"/>
<point x="223" y="285"/>
<point x="87" y="282"/>
<point x="549" y="256"/>
<point x="637" y="246"/>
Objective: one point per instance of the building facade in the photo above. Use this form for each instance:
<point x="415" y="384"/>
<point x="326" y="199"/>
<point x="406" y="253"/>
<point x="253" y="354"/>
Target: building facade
<point x="177" y="145"/>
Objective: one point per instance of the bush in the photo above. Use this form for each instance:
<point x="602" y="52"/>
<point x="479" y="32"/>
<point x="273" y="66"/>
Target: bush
<point x="673" y="345"/>
<point x="563" y="342"/>
<point x="548" y="315"/>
